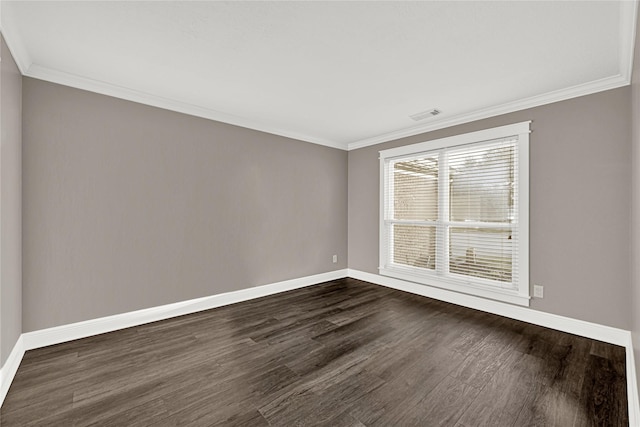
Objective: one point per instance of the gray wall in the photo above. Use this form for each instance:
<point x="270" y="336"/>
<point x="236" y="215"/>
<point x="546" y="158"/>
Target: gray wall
<point x="580" y="173"/>
<point x="635" y="208"/>
<point x="127" y="206"/>
<point x="10" y="203"/>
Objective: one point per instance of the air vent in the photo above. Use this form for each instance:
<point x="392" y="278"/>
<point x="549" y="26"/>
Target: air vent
<point x="425" y="115"/>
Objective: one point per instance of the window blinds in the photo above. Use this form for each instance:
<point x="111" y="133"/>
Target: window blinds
<point x="453" y="212"/>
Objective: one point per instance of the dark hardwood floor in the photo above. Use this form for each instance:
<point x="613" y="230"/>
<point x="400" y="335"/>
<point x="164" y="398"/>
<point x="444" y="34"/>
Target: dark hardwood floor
<point x="344" y="353"/>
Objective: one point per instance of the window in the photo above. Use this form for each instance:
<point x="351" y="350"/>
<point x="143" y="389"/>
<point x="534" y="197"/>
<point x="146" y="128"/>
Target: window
<point x="455" y="213"/>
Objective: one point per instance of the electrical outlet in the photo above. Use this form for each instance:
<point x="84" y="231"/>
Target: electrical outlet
<point x="538" y="291"/>
<point x="335" y="259"/>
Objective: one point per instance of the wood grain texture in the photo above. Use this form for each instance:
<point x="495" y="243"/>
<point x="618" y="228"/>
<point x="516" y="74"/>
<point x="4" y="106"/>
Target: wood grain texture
<point x="344" y="353"/>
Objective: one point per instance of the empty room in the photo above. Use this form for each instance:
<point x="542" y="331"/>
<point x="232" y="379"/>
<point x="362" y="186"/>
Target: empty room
<point x="319" y="213"/>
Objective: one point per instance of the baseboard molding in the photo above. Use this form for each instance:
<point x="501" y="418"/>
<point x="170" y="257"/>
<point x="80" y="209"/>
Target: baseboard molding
<point x="64" y="333"/>
<point x="595" y="331"/>
<point x="565" y="324"/>
<point x="74" y="331"/>
<point x="632" y="385"/>
<point x="10" y="367"/>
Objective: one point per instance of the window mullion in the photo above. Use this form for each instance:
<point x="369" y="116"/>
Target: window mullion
<point x="442" y="236"/>
<point x="480" y="246"/>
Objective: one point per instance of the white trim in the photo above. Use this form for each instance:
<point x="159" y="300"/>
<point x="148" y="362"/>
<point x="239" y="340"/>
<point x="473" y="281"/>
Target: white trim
<point x="628" y="28"/>
<point x="565" y="324"/>
<point x="628" y="13"/>
<point x="383" y="202"/>
<point x="43" y="73"/>
<point x="510" y="107"/>
<point x="443" y="199"/>
<point x="520" y="128"/>
<point x="74" y="331"/>
<point x="627" y="37"/>
<point x="632" y="385"/>
<point x="504" y="295"/>
<point x="36" y="339"/>
<point x="518" y="291"/>
<point x="582" y="328"/>
<point x="30" y="69"/>
<point x="522" y="199"/>
<point x="10" y="367"/>
<point x="13" y="40"/>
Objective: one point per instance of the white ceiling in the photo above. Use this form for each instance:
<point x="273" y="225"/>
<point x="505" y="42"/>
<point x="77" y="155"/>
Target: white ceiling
<point x="343" y="74"/>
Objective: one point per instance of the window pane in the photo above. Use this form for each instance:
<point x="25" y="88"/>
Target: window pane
<point x="482" y="184"/>
<point x="416" y="189"/>
<point x="414" y="245"/>
<point x="481" y="252"/>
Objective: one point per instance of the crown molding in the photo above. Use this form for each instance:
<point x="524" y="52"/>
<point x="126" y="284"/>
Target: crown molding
<point x="43" y="73"/>
<point x="523" y="104"/>
<point x="13" y="40"/>
<point x="628" y="28"/>
<point x="28" y="68"/>
<point x="628" y="24"/>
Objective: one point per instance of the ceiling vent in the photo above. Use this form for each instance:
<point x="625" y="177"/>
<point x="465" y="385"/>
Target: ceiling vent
<point x="425" y="115"/>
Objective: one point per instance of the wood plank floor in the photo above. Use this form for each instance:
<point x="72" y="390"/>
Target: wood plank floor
<point x="344" y="353"/>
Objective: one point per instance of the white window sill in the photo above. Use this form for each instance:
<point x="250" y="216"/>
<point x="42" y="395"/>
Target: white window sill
<point x="504" y="295"/>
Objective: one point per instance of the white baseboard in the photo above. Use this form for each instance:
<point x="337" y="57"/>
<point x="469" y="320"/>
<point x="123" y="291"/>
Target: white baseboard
<point x="565" y="324"/>
<point x="60" y="334"/>
<point x="632" y="385"/>
<point x="595" y="331"/>
<point x="10" y="367"/>
<point x="74" y="331"/>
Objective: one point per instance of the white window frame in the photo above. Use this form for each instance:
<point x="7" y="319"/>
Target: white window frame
<point x="473" y="286"/>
